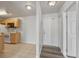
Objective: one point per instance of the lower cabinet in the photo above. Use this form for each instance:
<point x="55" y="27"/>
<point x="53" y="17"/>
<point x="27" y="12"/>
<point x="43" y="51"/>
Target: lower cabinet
<point x="1" y="42"/>
<point x="15" y="37"/>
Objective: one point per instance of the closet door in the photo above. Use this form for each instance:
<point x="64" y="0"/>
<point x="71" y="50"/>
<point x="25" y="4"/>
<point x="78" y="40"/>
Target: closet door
<point x="71" y="40"/>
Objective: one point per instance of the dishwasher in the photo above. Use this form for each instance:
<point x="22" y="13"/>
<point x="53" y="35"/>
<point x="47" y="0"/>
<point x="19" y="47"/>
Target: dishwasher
<point x="7" y="38"/>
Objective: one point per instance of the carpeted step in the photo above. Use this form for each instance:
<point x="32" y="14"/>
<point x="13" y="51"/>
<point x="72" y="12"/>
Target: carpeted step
<point x="48" y="55"/>
<point x="51" y="52"/>
<point x="51" y="47"/>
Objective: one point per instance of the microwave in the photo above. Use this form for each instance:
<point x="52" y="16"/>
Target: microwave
<point x="11" y="25"/>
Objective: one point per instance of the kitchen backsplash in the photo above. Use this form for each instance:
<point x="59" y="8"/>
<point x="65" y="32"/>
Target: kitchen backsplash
<point x="12" y="29"/>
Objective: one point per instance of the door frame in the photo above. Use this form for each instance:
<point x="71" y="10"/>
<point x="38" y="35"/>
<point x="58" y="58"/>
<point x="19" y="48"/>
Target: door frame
<point x="67" y="25"/>
<point x="64" y="13"/>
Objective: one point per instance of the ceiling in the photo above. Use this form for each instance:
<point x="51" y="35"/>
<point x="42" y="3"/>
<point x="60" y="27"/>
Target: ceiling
<point x="72" y="8"/>
<point x="47" y="9"/>
<point x="17" y="8"/>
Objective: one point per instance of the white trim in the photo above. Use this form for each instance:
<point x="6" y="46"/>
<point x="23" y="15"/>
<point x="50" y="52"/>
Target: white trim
<point x="66" y="6"/>
<point x="64" y="34"/>
<point x="37" y="30"/>
<point x="63" y="54"/>
<point x="77" y="30"/>
<point x="39" y="40"/>
<point x="28" y="42"/>
<point x="64" y="26"/>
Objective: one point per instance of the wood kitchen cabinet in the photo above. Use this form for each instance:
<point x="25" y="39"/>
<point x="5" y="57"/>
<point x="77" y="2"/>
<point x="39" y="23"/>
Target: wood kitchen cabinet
<point x="15" y="37"/>
<point x="9" y="21"/>
<point x="1" y="42"/>
<point x="15" y="21"/>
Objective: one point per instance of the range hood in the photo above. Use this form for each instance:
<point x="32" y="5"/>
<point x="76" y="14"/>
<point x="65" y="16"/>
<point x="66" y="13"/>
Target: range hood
<point x="4" y="13"/>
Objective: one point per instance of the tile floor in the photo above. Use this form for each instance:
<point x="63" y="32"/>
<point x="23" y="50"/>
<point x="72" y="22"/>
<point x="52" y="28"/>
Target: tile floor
<point x="21" y="50"/>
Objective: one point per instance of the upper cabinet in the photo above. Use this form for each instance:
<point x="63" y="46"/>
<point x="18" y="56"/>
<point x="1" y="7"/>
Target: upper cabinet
<point x="12" y="22"/>
<point x="15" y="22"/>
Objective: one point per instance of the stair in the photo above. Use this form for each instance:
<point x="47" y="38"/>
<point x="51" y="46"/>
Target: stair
<point x="51" y="52"/>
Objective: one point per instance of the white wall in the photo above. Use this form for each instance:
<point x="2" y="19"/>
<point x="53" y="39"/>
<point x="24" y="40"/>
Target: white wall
<point x="60" y="31"/>
<point x="28" y="29"/>
<point x="29" y="34"/>
<point x="50" y="22"/>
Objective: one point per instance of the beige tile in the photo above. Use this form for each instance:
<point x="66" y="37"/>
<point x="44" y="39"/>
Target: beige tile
<point x="21" y="50"/>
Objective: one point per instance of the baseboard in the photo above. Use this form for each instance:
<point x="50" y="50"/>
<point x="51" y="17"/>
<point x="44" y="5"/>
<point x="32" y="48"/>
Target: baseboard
<point x="29" y="42"/>
<point x="50" y="45"/>
<point x="63" y="53"/>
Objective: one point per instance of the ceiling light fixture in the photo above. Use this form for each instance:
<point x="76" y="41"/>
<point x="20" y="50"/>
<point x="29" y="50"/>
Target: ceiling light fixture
<point x="28" y="5"/>
<point x="51" y="3"/>
<point x="3" y="12"/>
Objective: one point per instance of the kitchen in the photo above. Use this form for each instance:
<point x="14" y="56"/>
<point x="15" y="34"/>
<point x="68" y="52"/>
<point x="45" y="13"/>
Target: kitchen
<point x="14" y="36"/>
<point x="11" y="33"/>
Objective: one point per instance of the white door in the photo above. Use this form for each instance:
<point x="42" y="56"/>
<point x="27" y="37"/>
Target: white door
<point x="71" y="40"/>
<point x="50" y="29"/>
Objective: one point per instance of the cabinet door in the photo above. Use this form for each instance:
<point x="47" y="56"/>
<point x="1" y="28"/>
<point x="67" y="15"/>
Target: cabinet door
<point x="15" y="37"/>
<point x="17" y="23"/>
<point x="1" y="42"/>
